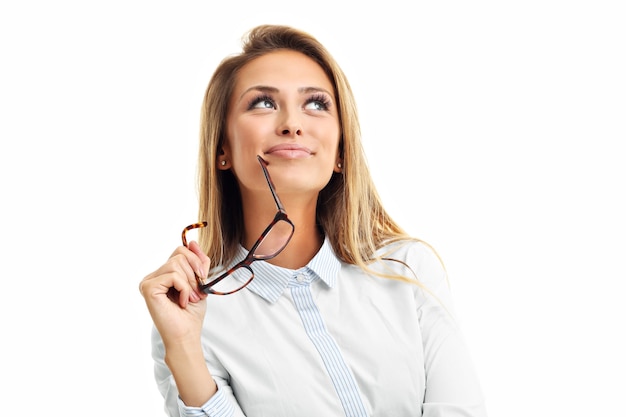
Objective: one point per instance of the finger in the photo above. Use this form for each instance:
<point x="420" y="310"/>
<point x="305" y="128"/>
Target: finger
<point x="187" y="287"/>
<point x="175" y="279"/>
<point x="193" y="254"/>
<point x="180" y="298"/>
<point x="189" y="260"/>
<point x="205" y="262"/>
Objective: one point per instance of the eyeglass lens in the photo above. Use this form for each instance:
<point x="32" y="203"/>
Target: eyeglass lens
<point x="273" y="241"/>
<point x="234" y="281"/>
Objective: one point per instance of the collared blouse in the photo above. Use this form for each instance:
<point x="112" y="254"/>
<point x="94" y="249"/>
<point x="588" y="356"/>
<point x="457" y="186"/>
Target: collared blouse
<point x="330" y="339"/>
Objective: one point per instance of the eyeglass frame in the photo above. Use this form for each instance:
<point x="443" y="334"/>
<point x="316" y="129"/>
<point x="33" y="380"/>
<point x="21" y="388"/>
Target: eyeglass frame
<point x="281" y="215"/>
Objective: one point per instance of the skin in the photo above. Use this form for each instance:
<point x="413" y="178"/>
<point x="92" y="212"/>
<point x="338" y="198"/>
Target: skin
<point x="284" y="109"/>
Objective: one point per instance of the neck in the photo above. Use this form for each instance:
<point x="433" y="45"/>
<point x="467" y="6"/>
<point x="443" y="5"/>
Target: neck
<point x="306" y="240"/>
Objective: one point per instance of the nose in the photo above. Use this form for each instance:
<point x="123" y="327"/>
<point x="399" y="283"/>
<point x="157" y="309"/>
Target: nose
<point x="290" y="125"/>
<point x="295" y="131"/>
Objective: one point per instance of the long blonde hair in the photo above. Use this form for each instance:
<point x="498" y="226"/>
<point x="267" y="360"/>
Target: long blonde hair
<point x="349" y="210"/>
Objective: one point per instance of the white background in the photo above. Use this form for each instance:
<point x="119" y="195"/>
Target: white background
<point x="494" y="130"/>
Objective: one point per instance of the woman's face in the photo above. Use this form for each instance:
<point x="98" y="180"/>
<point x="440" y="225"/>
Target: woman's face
<point x="283" y="108"/>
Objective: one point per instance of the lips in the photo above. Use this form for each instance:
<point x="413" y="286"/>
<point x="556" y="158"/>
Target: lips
<point x="289" y="150"/>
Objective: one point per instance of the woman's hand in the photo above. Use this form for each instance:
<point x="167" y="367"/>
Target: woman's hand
<point x="177" y="308"/>
<point x="171" y="293"/>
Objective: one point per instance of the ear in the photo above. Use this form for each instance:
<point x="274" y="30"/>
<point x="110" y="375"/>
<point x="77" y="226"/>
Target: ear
<point x="223" y="161"/>
<point x="338" y="166"/>
<point x="339" y="159"/>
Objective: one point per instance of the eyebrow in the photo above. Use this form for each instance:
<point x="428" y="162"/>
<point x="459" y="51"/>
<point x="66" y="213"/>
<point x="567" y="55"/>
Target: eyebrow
<point x="268" y="89"/>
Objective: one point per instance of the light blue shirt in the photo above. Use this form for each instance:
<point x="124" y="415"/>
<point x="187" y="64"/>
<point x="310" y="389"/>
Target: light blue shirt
<point x="329" y="339"/>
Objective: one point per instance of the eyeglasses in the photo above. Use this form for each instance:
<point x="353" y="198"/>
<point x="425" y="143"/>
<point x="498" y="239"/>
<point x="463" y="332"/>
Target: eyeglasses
<point x="271" y="242"/>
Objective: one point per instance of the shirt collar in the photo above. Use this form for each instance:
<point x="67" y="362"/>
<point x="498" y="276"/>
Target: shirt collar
<point x="270" y="281"/>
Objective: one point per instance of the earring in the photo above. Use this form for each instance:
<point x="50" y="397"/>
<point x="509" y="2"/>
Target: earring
<point x="338" y="164"/>
<point x="223" y="162"/>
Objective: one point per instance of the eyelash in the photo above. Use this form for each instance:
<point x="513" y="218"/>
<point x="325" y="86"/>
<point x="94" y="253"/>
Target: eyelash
<point x="258" y="99"/>
<point x="320" y="98"/>
<point x="317" y="98"/>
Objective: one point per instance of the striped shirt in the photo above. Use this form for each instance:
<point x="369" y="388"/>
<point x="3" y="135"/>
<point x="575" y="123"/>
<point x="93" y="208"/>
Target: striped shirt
<point x="329" y="339"/>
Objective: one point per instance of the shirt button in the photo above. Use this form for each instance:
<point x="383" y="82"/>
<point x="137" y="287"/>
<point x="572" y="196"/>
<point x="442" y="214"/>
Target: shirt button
<point x="300" y="278"/>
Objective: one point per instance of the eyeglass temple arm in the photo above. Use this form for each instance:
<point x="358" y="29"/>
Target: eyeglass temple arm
<point x="270" y="183"/>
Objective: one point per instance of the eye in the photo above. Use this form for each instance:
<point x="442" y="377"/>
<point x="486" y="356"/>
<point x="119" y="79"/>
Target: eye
<point x="318" y="102"/>
<point x="262" y="102"/>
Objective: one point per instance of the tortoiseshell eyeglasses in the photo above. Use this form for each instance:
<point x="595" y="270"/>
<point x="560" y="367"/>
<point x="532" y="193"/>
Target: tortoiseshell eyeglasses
<point x="271" y="242"/>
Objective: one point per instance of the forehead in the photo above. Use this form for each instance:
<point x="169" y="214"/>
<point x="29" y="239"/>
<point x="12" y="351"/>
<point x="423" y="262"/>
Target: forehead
<point x="282" y="68"/>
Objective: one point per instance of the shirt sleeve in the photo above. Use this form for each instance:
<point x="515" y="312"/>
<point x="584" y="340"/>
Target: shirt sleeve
<point x="452" y="385"/>
<point x="221" y="404"/>
<point x="217" y="406"/>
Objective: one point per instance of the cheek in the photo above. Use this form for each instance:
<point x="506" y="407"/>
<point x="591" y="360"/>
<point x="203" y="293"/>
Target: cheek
<point x="244" y="132"/>
<point x="329" y="131"/>
<point x="334" y="136"/>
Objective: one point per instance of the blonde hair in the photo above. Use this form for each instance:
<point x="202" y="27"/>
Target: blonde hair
<point x="349" y="209"/>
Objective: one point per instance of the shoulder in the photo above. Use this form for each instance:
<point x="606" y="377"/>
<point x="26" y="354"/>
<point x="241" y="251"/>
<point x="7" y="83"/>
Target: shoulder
<point x="416" y="258"/>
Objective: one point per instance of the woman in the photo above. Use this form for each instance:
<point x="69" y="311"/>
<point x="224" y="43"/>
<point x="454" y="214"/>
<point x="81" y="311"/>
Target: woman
<point x="335" y="310"/>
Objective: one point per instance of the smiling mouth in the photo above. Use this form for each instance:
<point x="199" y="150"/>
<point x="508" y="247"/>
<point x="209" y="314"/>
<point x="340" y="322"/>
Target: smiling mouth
<point x="290" y="151"/>
<point x="288" y="147"/>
